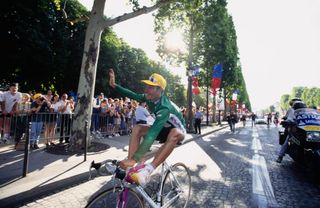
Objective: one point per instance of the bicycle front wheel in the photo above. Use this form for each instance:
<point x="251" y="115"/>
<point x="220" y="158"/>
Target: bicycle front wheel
<point x="176" y="187"/>
<point x="110" y="197"/>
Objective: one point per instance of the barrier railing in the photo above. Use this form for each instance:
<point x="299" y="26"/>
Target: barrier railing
<point x="46" y="127"/>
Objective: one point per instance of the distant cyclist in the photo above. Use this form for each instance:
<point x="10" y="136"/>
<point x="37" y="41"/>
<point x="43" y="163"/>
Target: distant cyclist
<point x="253" y="119"/>
<point x="269" y="118"/>
<point x="168" y="127"/>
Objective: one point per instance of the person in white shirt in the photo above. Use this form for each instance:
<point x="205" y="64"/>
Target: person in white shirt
<point x="142" y="114"/>
<point x="52" y="121"/>
<point x="9" y="102"/>
<point x="65" y="108"/>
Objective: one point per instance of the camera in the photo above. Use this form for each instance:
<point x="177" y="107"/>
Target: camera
<point x="41" y="99"/>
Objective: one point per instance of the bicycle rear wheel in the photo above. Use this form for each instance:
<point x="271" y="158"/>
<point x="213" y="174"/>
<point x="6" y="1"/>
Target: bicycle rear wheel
<point x="176" y="187"/>
<point x="109" y="199"/>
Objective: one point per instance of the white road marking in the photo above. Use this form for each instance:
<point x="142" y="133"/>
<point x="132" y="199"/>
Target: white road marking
<point x="261" y="186"/>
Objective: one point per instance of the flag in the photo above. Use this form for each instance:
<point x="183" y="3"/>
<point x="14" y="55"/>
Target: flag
<point x="195" y="82"/>
<point x="196" y="71"/>
<point x="216" y="78"/>
<point x="217" y="71"/>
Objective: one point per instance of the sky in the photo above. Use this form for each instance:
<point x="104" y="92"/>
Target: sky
<point x="278" y="42"/>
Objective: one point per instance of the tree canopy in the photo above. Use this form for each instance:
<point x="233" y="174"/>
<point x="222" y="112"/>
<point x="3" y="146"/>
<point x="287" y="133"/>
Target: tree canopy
<point x="310" y="96"/>
<point x="211" y="38"/>
<point x="44" y="51"/>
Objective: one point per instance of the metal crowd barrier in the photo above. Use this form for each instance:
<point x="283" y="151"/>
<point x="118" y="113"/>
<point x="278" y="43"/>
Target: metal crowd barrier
<point x="58" y="126"/>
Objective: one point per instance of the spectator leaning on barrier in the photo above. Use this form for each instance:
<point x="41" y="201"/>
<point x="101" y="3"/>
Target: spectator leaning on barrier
<point x="52" y="120"/>
<point x="10" y="101"/>
<point x="22" y="118"/>
<point x="65" y="108"/>
<point x="39" y="108"/>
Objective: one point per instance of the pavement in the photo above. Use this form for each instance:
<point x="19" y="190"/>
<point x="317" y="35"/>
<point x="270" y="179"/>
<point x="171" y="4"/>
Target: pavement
<point x="50" y="173"/>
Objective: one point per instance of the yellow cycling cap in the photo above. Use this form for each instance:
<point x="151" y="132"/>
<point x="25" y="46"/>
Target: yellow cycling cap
<point x="156" y="80"/>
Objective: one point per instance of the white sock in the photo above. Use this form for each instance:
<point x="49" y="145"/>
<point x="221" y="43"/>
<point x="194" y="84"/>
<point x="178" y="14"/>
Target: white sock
<point x="150" y="167"/>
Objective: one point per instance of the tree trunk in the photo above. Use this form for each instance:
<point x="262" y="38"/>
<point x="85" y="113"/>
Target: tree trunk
<point x="83" y="109"/>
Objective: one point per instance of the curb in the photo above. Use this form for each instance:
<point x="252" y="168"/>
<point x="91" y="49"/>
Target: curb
<point x="205" y="134"/>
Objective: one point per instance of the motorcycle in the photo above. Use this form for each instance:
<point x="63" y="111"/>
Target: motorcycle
<point x="304" y="137"/>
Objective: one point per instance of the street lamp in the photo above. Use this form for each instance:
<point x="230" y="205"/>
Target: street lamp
<point x="219" y="110"/>
<point x="189" y="100"/>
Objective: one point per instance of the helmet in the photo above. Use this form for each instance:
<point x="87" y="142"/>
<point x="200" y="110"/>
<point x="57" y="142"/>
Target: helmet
<point x="298" y="104"/>
<point x="156" y="80"/>
<point x="293" y="100"/>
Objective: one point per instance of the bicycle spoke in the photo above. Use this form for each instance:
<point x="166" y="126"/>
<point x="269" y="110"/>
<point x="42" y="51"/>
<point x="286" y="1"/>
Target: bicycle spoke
<point x="176" y="187"/>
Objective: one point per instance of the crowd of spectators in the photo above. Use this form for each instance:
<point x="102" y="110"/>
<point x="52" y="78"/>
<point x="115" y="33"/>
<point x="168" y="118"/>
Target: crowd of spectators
<point x="50" y="116"/>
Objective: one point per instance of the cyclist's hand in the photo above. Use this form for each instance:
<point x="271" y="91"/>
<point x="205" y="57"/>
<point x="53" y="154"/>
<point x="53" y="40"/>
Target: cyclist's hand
<point x="124" y="164"/>
<point x="112" y="81"/>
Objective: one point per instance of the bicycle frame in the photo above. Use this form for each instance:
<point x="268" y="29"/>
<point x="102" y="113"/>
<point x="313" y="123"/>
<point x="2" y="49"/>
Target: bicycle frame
<point x="138" y="189"/>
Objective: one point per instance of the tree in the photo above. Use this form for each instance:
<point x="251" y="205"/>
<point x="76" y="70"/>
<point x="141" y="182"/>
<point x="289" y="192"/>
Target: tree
<point x="284" y="102"/>
<point x="209" y="31"/>
<point x="41" y="47"/>
<point x="297" y="92"/>
<point x="96" y="25"/>
<point x="185" y="16"/>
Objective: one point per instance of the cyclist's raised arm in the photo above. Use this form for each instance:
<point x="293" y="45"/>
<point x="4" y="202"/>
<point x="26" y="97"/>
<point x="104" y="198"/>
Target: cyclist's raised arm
<point x="123" y="91"/>
<point x="161" y="118"/>
<point x="130" y="94"/>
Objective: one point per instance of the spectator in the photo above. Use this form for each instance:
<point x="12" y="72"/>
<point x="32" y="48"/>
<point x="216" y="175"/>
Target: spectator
<point x="24" y="107"/>
<point x="51" y="123"/>
<point x="39" y="106"/>
<point x="66" y="108"/>
<point x="10" y="101"/>
<point x="49" y="95"/>
<point x="198" y="116"/>
<point x="141" y="113"/>
<point x="95" y="112"/>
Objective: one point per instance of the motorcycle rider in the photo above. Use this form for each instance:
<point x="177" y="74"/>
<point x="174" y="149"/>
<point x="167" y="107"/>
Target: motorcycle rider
<point x="289" y="117"/>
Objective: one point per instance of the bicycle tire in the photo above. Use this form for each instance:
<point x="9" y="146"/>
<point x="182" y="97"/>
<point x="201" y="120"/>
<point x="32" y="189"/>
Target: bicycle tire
<point x="109" y="199"/>
<point x="170" y="187"/>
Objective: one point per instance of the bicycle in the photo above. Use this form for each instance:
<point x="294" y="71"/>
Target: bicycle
<point x="173" y="188"/>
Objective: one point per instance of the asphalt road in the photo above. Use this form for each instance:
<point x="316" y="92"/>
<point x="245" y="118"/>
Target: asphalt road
<point x="229" y="169"/>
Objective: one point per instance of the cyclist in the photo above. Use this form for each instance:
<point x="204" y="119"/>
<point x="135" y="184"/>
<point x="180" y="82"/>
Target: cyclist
<point x="269" y="118"/>
<point x="168" y="127"/>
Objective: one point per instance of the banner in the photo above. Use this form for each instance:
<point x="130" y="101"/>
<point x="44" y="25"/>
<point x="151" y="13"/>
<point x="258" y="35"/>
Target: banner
<point x="219" y="104"/>
<point x="216" y="78"/>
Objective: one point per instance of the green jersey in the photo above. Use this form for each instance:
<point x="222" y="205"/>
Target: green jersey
<point x="162" y="110"/>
